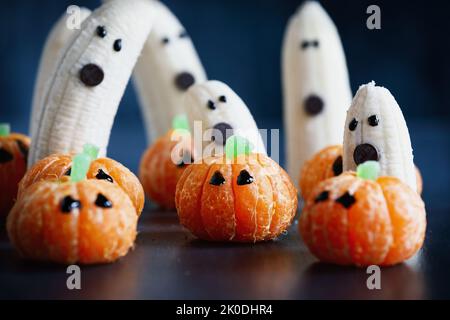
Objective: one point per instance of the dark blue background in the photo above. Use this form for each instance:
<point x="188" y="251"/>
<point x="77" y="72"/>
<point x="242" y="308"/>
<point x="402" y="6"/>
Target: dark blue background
<point x="240" y="43"/>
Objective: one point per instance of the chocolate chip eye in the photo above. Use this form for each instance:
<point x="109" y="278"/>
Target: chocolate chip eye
<point x="101" y="175"/>
<point x="23" y="148"/>
<point x="68" y="204"/>
<point x="165" y="40"/>
<point x="373" y="120"/>
<point x="347" y="200"/>
<point x="185" y="160"/>
<point x="353" y="124"/>
<point x="68" y="172"/>
<point x="118" y="45"/>
<point x="211" y="105"/>
<point x="184" y="34"/>
<point x="337" y="166"/>
<point x="5" y="156"/>
<point x="315" y="43"/>
<point x="217" y="179"/>
<point x="103" y="202"/>
<point x="304" y="45"/>
<point x="244" y="178"/>
<point x="223" y="99"/>
<point x="101" y="31"/>
<point x="322" y="197"/>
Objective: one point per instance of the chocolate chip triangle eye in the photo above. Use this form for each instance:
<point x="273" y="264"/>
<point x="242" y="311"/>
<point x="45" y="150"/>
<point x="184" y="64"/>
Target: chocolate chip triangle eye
<point x="337" y="166"/>
<point x="5" y="156"/>
<point x="244" y="178"/>
<point x="101" y="175"/>
<point x="68" y="204"/>
<point x="217" y="179"/>
<point x="68" y="172"/>
<point x="322" y="197"/>
<point x="103" y="202"/>
<point x="347" y="200"/>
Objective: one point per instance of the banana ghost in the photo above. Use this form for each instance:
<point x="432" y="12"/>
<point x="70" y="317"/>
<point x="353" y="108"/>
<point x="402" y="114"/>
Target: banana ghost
<point x="375" y="129"/>
<point x="168" y="66"/>
<point x="316" y="86"/>
<point x="84" y="92"/>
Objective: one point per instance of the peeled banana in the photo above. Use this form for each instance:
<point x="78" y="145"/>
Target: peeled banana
<point x="81" y="101"/>
<point x="375" y="129"/>
<point x="316" y="86"/>
<point x="59" y="38"/>
<point x="215" y="113"/>
<point x="168" y="66"/>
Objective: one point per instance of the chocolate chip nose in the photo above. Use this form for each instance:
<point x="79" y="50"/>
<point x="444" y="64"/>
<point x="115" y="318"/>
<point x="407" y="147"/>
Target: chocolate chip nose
<point x="224" y="132"/>
<point x="313" y="105"/>
<point x="91" y="75"/>
<point x="365" y="152"/>
<point x="184" y="80"/>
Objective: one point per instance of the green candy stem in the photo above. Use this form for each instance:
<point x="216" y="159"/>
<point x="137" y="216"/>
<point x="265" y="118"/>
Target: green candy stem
<point x="180" y="122"/>
<point x="91" y="151"/>
<point x="80" y="166"/>
<point x="236" y="146"/>
<point x="5" y="129"/>
<point x="368" y="170"/>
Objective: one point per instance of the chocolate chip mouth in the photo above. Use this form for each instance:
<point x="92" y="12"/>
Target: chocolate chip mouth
<point x="365" y="152"/>
<point x="91" y="75"/>
<point x="313" y="105"/>
<point x="184" y="80"/>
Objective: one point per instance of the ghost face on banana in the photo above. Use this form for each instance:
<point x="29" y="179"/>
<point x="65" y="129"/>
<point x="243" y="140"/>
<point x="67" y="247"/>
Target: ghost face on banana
<point x="215" y="109"/>
<point x="81" y="101"/>
<point x="59" y="37"/>
<point x="375" y="129"/>
<point x="316" y="86"/>
<point x="168" y="66"/>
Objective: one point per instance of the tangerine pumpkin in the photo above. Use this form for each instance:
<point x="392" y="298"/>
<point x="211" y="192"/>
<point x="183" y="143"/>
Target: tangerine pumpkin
<point x="352" y="220"/>
<point x="13" y="165"/>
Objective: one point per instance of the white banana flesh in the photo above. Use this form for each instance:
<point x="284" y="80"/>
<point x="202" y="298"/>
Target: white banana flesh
<point x="316" y="85"/>
<point x="168" y="66"/>
<point x="375" y="129"/>
<point x="80" y="104"/>
<point x="216" y="112"/>
<point x="59" y="38"/>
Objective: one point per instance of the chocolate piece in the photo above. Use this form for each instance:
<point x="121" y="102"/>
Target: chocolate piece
<point x="101" y="175"/>
<point x="68" y="204"/>
<point x="353" y="124"/>
<point x="5" y="156"/>
<point x="365" y="152"/>
<point x="23" y="148"/>
<point x="101" y="31"/>
<point x="313" y="105"/>
<point x="223" y="99"/>
<point x="323" y="196"/>
<point x="337" y="166"/>
<point x="103" y="202"/>
<point x="91" y="75"/>
<point x="211" y="105"/>
<point x="184" y="80"/>
<point x="347" y="200"/>
<point x="225" y="131"/>
<point x="373" y="120"/>
<point x="244" y="178"/>
<point x="118" y="45"/>
<point x="217" y="179"/>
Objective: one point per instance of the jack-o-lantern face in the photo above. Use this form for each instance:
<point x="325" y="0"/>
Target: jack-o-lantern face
<point x="57" y="166"/>
<point x="162" y="166"/>
<point x="351" y="221"/>
<point x="85" y="222"/>
<point x="246" y="200"/>
<point x="13" y="165"/>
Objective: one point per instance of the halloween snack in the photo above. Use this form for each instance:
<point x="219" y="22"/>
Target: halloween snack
<point x="376" y="130"/>
<point x="58" y="39"/>
<point x="164" y="162"/>
<point x="13" y="164"/>
<point x="168" y="66"/>
<point x="220" y="113"/>
<point x="81" y="101"/>
<point x="73" y="220"/>
<point x="362" y="219"/>
<point x="239" y="196"/>
<point x="316" y="86"/>
<point x="325" y="164"/>
<point x="57" y="166"/>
